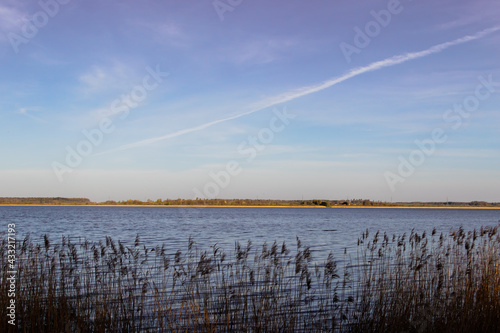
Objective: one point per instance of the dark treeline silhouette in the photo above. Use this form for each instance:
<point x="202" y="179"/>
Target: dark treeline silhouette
<point x="45" y="201"/>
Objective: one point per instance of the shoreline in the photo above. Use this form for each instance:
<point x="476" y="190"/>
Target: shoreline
<point x="249" y="206"/>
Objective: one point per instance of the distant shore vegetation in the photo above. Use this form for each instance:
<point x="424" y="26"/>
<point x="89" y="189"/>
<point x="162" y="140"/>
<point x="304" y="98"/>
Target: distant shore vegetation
<point x="241" y="202"/>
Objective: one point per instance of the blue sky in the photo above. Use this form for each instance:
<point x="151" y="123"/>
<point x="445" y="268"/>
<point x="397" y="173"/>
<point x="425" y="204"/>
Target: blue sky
<point x="173" y="93"/>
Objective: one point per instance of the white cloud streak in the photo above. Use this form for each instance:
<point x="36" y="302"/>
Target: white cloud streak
<point x="27" y="112"/>
<point x="294" y="94"/>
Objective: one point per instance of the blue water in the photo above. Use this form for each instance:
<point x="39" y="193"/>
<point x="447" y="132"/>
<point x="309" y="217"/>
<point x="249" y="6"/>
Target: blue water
<point x="324" y="230"/>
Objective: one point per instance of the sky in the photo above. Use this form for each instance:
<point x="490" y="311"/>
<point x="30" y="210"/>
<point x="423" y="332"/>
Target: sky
<point x="381" y="100"/>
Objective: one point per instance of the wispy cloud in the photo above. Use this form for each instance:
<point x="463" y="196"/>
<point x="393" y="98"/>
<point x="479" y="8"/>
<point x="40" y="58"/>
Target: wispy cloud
<point x="257" y="51"/>
<point x="294" y="94"/>
<point x="11" y="20"/>
<point x="99" y="79"/>
<point x="463" y="21"/>
<point x="469" y="154"/>
<point x="28" y="113"/>
<point x="168" y="32"/>
<point x="169" y="29"/>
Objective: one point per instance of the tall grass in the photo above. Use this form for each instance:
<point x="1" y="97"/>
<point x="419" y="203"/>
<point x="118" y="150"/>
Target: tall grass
<point x="422" y="283"/>
<point x="414" y="283"/>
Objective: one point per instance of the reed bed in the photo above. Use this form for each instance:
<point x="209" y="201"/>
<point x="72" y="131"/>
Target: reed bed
<point x="413" y="283"/>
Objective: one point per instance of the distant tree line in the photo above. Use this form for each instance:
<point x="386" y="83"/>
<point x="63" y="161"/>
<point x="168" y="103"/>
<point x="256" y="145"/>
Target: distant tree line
<point x="240" y="202"/>
<point x="314" y="202"/>
<point x="45" y="201"/>
<point x="207" y="202"/>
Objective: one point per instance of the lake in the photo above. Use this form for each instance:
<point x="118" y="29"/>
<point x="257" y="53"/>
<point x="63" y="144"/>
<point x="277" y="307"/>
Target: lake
<point x="323" y="229"/>
<point x="115" y="286"/>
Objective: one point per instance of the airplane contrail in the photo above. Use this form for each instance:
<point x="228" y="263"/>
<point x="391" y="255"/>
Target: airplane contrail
<point x="291" y="95"/>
